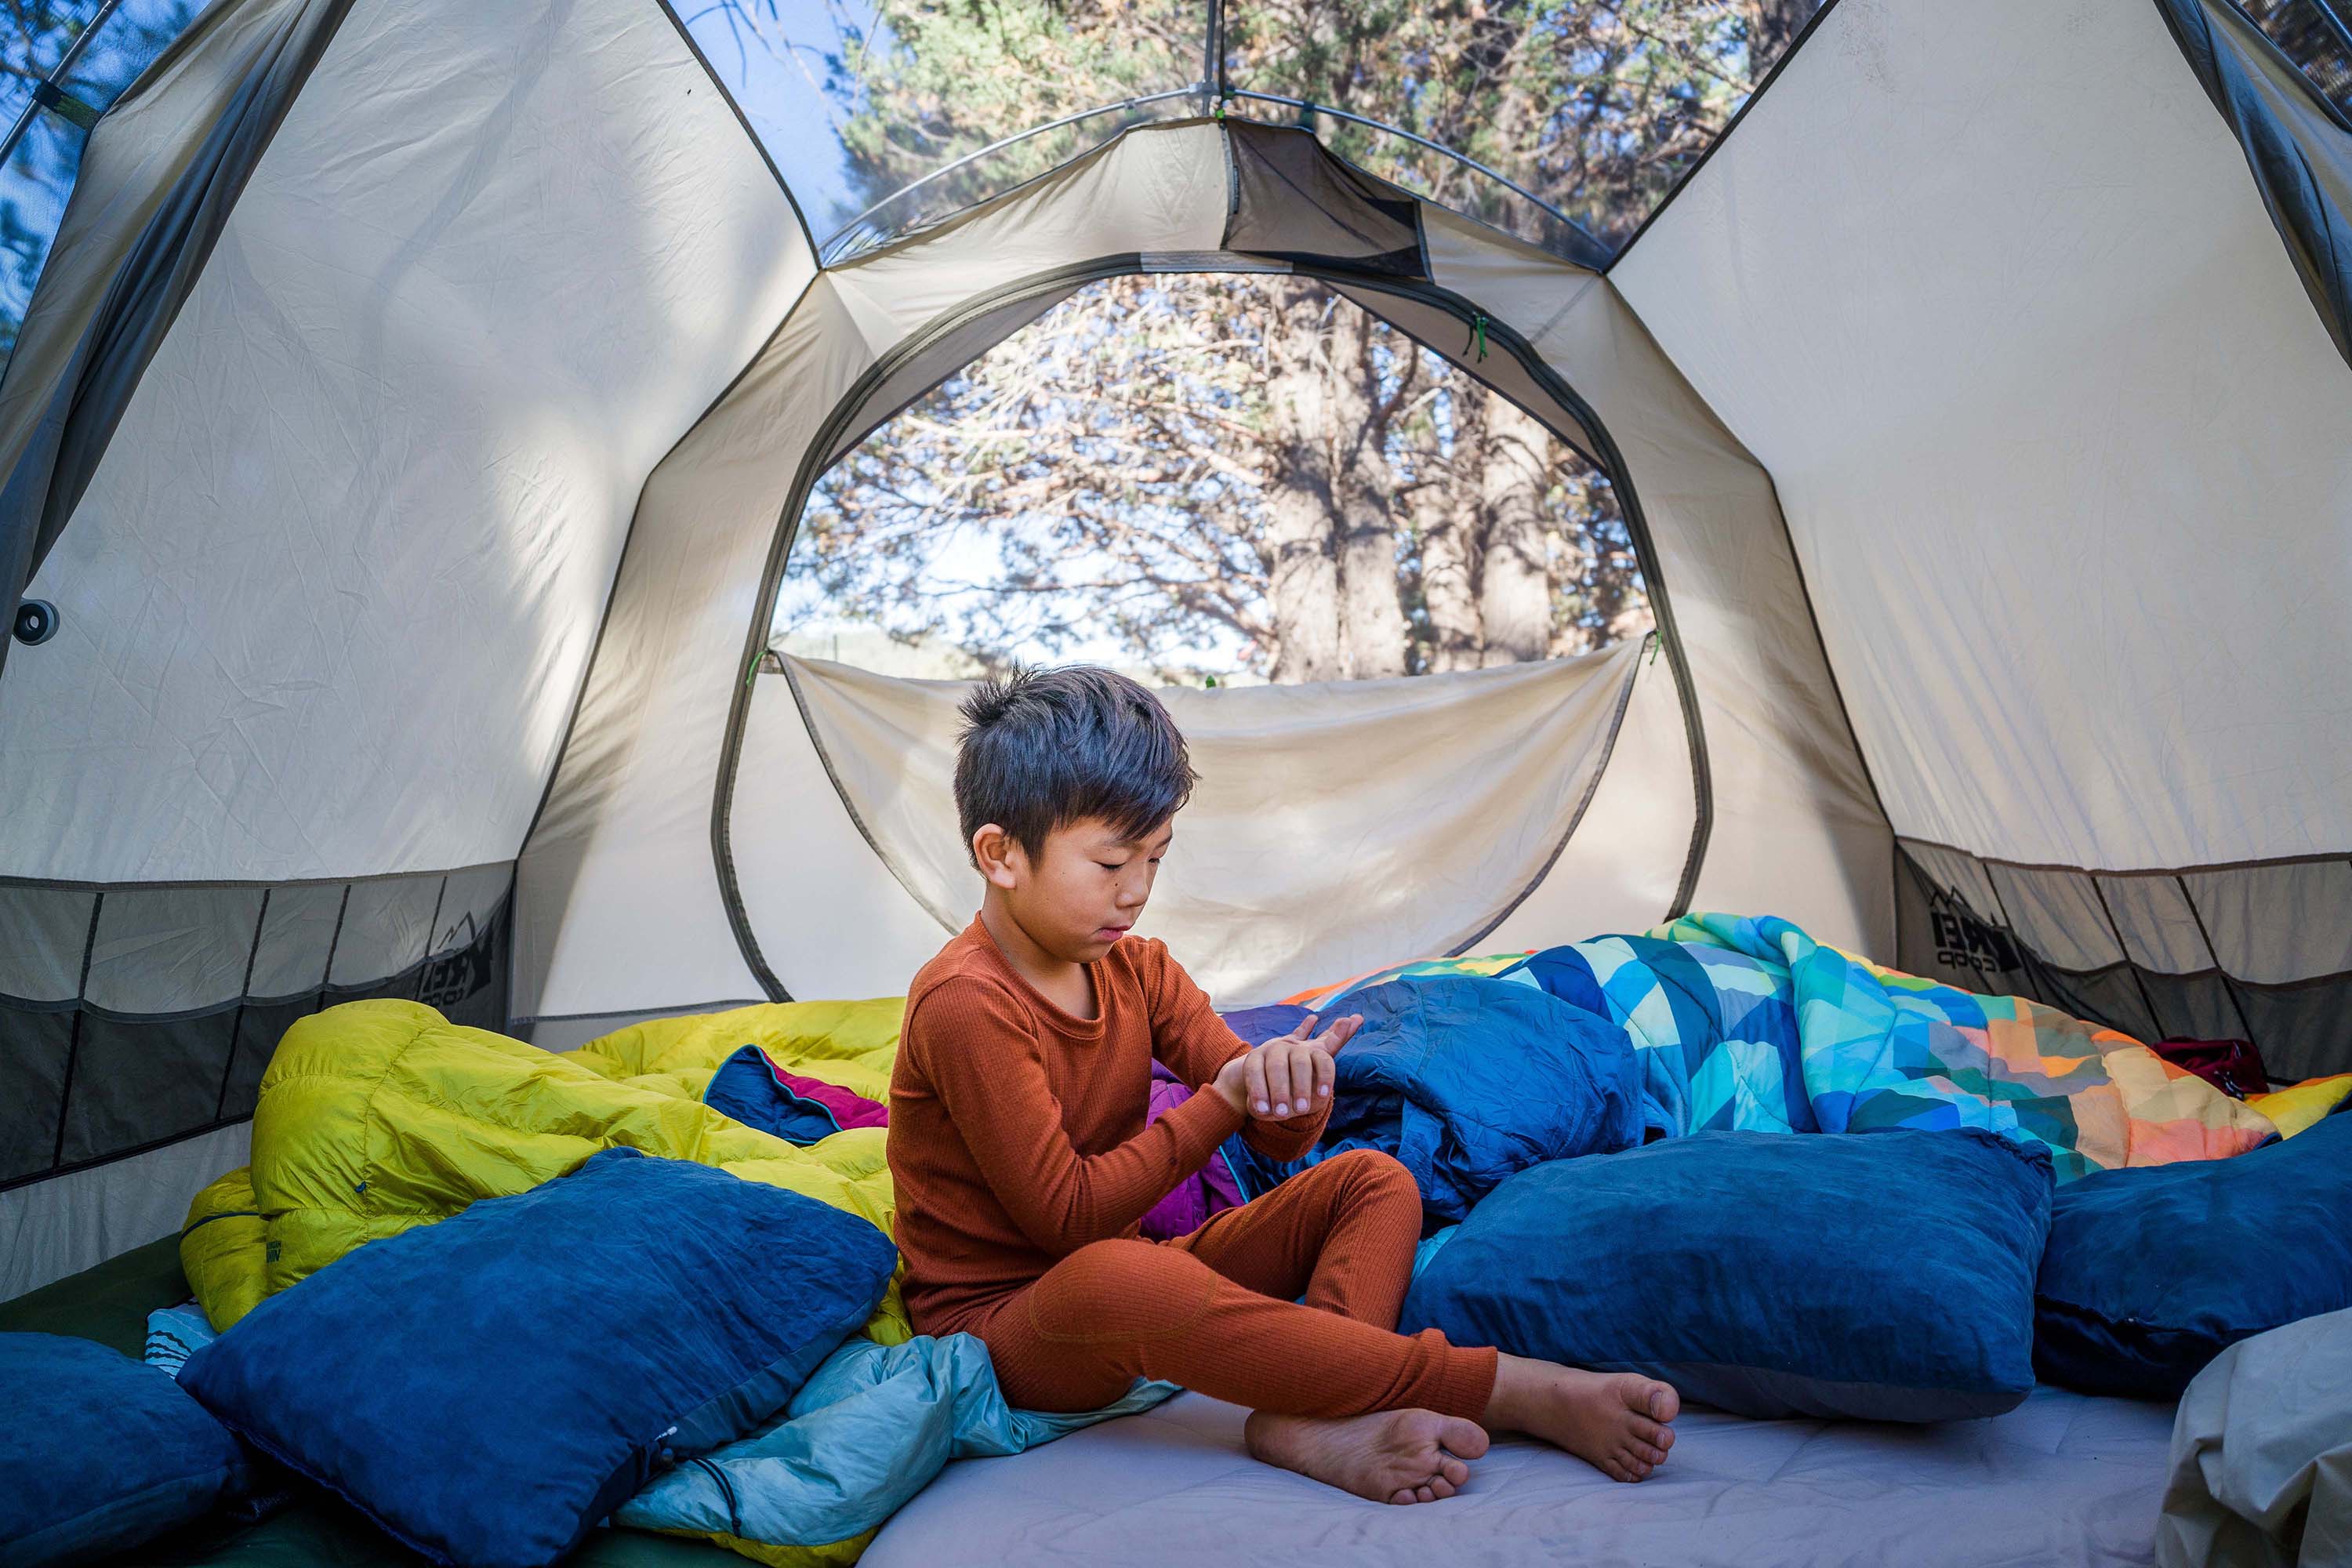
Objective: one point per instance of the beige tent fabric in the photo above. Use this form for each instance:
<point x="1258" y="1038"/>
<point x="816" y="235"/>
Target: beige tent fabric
<point x="329" y="598"/>
<point x="1335" y="828"/>
<point x="2066" y="451"/>
<point x="628" y="829"/>
<point x="866" y="935"/>
<point x="1797" y="831"/>
<point x="1620" y="870"/>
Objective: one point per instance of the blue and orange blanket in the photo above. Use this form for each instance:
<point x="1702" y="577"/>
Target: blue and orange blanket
<point x="1749" y="1024"/>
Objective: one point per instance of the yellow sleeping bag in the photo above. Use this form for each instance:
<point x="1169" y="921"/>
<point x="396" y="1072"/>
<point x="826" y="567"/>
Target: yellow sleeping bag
<point x="378" y="1116"/>
<point x="2294" y="1110"/>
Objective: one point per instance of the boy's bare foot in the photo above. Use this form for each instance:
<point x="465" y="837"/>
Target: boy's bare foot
<point x="1390" y="1456"/>
<point x="1616" y="1422"/>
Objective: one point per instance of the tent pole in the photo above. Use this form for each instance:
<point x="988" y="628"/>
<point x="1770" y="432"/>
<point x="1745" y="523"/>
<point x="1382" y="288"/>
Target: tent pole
<point x="65" y="63"/>
<point x="1212" y="54"/>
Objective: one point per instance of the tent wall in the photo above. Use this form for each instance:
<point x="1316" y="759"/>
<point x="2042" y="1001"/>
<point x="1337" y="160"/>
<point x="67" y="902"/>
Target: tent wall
<point x="332" y="589"/>
<point x="1320" y="841"/>
<point x="1796" y="830"/>
<point x="333" y="585"/>
<point x="629" y="829"/>
<point x="2067" y="457"/>
<point x="64" y="1226"/>
<point x="665" y="734"/>
<point x="2260" y="953"/>
<point x="1618" y="871"/>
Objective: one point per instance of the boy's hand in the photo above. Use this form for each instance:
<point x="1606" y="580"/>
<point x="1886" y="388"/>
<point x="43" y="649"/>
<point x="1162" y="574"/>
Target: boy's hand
<point x="1288" y="1076"/>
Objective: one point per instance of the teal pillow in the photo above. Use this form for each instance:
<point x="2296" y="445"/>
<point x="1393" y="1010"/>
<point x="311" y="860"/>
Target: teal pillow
<point x="100" y="1453"/>
<point x="489" y="1388"/>
<point x="1886" y="1275"/>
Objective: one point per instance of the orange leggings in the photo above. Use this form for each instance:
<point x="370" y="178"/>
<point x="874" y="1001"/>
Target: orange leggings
<point x="1218" y="1310"/>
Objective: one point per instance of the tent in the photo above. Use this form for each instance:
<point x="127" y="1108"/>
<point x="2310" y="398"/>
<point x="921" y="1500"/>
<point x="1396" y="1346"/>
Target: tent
<point x="406" y="437"/>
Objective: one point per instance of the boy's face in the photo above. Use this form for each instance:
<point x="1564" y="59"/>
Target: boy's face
<point x="1080" y="895"/>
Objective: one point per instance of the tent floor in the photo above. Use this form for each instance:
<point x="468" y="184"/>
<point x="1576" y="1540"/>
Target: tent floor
<point x="109" y="1304"/>
<point x="2064" y="1481"/>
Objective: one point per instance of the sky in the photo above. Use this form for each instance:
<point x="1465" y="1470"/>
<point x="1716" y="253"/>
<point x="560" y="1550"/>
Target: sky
<point x="780" y="91"/>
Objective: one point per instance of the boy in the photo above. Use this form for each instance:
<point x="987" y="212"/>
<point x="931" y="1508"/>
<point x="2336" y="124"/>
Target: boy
<point x="1022" y="1162"/>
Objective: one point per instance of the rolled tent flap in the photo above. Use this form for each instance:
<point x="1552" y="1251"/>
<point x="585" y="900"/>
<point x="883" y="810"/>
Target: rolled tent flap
<point x="2298" y="148"/>
<point x="1335" y="827"/>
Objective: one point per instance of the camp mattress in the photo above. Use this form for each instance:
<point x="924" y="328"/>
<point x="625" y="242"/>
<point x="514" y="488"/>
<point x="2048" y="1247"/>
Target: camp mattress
<point x="2063" y="1479"/>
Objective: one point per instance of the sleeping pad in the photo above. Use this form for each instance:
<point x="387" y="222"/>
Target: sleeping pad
<point x="376" y="1117"/>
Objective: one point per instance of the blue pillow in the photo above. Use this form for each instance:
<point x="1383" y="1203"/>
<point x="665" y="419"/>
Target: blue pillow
<point x="1887" y="1275"/>
<point x="487" y="1389"/>
<point x="2153" y="1272"/>
<point x="100" y="1453"/>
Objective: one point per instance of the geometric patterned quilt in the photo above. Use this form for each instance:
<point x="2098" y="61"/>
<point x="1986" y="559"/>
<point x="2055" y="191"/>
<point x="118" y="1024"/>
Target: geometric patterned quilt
<point x="1747" y="1023"/>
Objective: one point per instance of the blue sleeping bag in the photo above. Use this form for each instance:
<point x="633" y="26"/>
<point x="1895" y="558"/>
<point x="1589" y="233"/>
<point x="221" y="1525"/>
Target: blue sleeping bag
<point x="1466" y="1081"/>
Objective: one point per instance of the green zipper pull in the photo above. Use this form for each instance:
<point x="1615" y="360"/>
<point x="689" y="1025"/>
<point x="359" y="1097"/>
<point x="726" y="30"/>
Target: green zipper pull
<point x="1477" y="335"/>
<point x="753" y="674"/>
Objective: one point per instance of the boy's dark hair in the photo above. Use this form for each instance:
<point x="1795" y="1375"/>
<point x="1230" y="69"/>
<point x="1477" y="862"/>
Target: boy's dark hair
<point x="1043" y="748"/>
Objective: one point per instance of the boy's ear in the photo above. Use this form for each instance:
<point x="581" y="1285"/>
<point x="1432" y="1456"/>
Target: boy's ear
<point x="995" y="849"/>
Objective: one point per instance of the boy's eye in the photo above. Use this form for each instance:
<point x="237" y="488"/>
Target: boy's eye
<point x="1112" y="865"/>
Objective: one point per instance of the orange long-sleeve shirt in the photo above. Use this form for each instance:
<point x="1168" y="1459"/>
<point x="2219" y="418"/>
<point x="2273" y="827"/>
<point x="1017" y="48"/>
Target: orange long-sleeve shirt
<point x="1017" y="1129"/>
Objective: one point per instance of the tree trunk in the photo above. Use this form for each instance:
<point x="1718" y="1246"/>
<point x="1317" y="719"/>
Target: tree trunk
<point x="1372" y="607"/>
<point x="1450" y="527"/>
<point x="1302" y="565"/>
<point x="1515" y="581"/>
<point x="1773" y="27"/>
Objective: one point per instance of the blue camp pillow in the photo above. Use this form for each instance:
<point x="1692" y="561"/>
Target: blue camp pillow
<point x="100" y="1453"/>
<point x="2152" y="1272"/>
<point x="1887" y="1275"/>
<point x="489" y="1388"/>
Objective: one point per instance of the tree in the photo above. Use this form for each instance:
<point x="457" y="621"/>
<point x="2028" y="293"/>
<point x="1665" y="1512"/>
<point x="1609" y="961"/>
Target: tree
<point x="1398" y="518"/>
<point x="1157" y="462"/>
